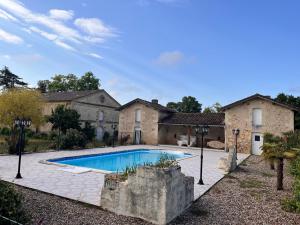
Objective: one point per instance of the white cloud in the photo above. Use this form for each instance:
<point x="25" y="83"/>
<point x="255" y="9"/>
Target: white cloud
<point x="7" y="16"/>
<point x="19" y="10"/>
<point x="47" y="35"/>
<point x="10" y="38"/>
<point x="64" y="45"/>
<point x="53" y="26"/>
<point x="95" y="55"/>
<point x="61" y="14"/>
<point x="170" y="58"/>
<point x="94" y="27"/>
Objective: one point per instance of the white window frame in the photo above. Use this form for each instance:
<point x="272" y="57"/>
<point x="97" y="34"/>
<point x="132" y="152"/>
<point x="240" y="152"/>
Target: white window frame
<point x="101" y="116"/>
<point x="257" y="117"/>
<point x="138" y="115"/>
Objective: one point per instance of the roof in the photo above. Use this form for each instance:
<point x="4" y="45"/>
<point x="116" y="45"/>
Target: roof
<point x="212" y="119"/>
<point x="262" y="97"/>
<point x="71" y="95"/>
<point x="155" y="106"/>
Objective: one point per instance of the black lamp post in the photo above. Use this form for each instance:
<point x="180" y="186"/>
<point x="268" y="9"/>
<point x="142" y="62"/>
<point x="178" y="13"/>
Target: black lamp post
<point x="203" y="130"/>
<point x="21" y="123"/>
<point x="114" y="127"/>
<point x="236" y="132"/>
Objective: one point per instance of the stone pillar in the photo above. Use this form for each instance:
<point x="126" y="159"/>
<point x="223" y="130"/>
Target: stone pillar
<point x="157" y="195"/>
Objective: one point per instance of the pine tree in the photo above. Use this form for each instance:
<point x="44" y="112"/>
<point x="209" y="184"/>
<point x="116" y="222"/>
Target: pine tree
<point x="9" y="80"/>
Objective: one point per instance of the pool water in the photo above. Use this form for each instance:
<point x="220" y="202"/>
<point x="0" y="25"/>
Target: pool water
<point x="118" y="161"/>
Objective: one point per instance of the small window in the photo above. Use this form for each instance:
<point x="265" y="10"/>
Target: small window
<point x="138" y="115"/>
<point x="101" y="116"/>
<point x="257" y="117"/>
<point x="257" y="138"/>
<point x="102" y="99"/>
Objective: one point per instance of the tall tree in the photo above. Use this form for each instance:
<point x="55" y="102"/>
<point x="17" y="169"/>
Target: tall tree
<point x="188" y="104"/>
<point x="291" y="100"/>
<point x="69" y="82"/>
<point x="22" y="103"/>
<point x="88" y="82"/>
<point x="9" y="80"/>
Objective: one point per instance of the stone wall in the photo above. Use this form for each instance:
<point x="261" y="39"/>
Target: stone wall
<point x="154" y="194"/>
<point x="148" y="124"/>
<point x="89" y="108"/>
<point x="275" y="119"/>
<point x="48" y="107"/>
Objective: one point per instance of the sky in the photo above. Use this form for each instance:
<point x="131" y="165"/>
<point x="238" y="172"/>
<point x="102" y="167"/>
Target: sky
<point x="214" y="50"/>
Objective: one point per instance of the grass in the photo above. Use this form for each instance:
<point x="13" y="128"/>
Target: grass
<point x="251" y="183"/>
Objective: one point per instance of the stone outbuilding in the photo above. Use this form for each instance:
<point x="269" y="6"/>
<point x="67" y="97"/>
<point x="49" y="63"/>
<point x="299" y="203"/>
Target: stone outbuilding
<point x="144" y="122"/>
<point x="254" y="116"/>
<point x="95" y="106"/>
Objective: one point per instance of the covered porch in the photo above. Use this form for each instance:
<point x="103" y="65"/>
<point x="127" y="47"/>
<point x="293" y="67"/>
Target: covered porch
<point x="180" y="129"/>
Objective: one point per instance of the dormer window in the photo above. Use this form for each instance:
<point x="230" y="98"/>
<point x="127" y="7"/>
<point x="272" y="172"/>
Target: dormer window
<point x="257" y="117"/>
<point x="137" y="115"/>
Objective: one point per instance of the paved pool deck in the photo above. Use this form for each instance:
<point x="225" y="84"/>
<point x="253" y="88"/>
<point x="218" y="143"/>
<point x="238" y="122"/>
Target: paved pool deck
<point x="86" y="187"/>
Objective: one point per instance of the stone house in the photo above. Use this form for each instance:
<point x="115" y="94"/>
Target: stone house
<point x="96" y="107"/>
<point x="144" y="122"/>
<point x="151" y="123"/>
<point x="254" y="116"/>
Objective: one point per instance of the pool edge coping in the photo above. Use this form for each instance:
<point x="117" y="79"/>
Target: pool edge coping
<point x="47" y="162"/>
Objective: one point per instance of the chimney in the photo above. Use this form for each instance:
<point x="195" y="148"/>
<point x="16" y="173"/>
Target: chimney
<point x="154" y="101"/>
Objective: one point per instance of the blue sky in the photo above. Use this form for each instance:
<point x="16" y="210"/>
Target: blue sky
<point x="215" y="50"/>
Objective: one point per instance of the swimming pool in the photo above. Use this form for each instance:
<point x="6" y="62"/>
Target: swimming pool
<point x="118" y="161"/>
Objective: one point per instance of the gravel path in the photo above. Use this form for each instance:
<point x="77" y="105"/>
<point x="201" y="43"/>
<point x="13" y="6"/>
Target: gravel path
<point x="247" y="196"/>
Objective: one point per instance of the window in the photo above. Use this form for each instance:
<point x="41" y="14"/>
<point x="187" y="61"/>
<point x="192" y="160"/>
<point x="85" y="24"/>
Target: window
<point x="257" y="117"/>
<point x="102" y="99"/>
<point x="137" y="115"/>
<point x="101" y="116"/>
<point x="257" y="138"/>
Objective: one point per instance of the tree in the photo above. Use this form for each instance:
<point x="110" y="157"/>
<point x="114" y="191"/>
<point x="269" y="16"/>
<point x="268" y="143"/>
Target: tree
<point x="215" y="108"/>
<point x="62" y="119"/>
<point x="280" y="148"/>
<point x="69" y="82"/>
<point x="43" y="86"/>
<point x="60" y="83"/>
<point x="19" y="103"/>
<point x="188" y="104"/>
<point x="9" y="80"/>
<point x="291" y="100"/>
<point x="88" y="82"/>
<point x="173" y="105"/>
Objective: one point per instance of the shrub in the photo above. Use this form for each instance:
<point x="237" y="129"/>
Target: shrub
<point x="5" y="131"/>
<point x="11" y="205"/>
<point x="73" y="139"/>
<point x="107" y="139"/>
<point x="293" y="204"/>
<point x="89" y="131"/>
